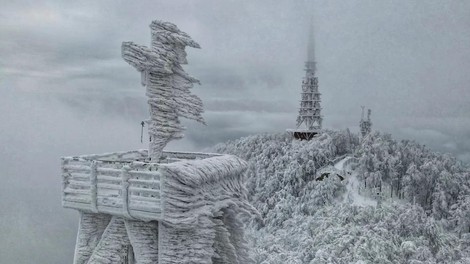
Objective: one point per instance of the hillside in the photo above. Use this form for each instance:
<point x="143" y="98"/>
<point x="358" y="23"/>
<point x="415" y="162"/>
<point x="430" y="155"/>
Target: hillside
<point x="399" y="202"/>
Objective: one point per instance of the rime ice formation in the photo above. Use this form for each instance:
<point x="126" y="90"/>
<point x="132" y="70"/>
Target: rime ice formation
<point x="175" y="207"/>
<point x="193" y="219"/>
<point x="166" y="82"/>
<point x="310" y="110"/>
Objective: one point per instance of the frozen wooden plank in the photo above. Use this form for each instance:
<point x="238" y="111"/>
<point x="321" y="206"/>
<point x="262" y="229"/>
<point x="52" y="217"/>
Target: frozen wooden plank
<point x="105" y="193"/>
<point x="78" y="198"/>
<point x="145" y="207"/>
<point x="108" y="171"/>
<point x="74" y="159"/>
<point x="77" y="168"/>
<point x="155" y="192"/>
<point x="146" y="216"/>
<point x="153" y="183"/>
<point x="76" y="205"/>
<point x="148" y="174"/>
<point x="80" y="176"/>
<point x="77" y="191"/>
<point x="79" y="184"/>
<point x="109" y="201"/>
<point x="109" y="186"/>
<point x="109" y="179"/>
<point x="138" y="198"/>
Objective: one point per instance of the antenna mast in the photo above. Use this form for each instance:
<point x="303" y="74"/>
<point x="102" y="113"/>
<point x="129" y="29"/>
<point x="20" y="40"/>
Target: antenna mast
<point x="310" y="109"/>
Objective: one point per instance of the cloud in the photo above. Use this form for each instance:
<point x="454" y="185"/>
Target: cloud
<point x="250" y="105"/>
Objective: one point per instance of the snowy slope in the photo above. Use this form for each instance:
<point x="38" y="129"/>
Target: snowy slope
<point x="334" y="221"/>
<point x="352" y="195"/>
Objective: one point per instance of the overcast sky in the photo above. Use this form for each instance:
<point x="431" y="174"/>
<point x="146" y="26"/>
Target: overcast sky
<point x="65" y="89"/>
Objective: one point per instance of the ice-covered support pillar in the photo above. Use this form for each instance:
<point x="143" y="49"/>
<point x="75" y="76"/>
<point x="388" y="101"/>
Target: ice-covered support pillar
<point x="113" y="248"/>
<point x="187" y="245"/>
<point x="236" y="228"/>
<point x="166" y="82"/>
<point x="230" y="245"/>
<point x="223" y="247"/>
<point x="90" y="229"/>
<point x="144" y="240"/>
<point x="102" y="240"/>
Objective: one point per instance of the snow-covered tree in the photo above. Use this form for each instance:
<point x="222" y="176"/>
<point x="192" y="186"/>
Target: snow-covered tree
<point x="305" y="221"/>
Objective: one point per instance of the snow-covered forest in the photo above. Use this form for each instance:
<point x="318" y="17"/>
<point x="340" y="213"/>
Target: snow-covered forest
<point x="399" y="202"/>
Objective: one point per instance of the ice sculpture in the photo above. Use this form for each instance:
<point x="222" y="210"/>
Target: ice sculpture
<point x="166" y="82"/>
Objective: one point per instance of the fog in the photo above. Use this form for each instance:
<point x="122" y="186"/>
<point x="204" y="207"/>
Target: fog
<point x="64" y="90"/>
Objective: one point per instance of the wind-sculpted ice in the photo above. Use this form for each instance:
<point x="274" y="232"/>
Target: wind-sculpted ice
<point x="168" y="85"/>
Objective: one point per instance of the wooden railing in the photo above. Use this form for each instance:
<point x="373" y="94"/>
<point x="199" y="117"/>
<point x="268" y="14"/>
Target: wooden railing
<point x="117" y="183"/>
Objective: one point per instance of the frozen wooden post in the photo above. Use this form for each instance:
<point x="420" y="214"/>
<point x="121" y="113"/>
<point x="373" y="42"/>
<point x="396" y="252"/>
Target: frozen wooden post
<point x="155" y="206"/>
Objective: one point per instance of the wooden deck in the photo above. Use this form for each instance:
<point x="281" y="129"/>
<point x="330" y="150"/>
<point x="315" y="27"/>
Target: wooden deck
<point x="122" y="184"/>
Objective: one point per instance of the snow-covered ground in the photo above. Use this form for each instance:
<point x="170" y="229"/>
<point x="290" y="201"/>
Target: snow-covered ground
<point x="352" y="195"/>
<point x="340" y="164"/>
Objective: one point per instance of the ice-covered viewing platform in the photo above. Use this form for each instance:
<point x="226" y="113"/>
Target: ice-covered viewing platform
<point x="186" y="205"/>
<point x="122" y="184"/>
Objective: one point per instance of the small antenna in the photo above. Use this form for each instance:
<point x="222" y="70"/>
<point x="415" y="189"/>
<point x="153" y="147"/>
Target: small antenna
<point x="142" y="132"/>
